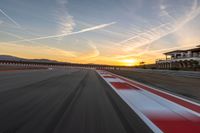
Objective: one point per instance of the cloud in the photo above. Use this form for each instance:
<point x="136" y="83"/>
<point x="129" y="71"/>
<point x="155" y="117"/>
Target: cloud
<point x="194" y="12"/>
<point x="11" y="34"/>
<point x="47" y="52"/>
<point x="162" y="7"/>
<point x="1" y="22"/>
<point x="150" y="57"/>
<point x="96" y="27"/>
<point x="147" y="34"/>
<point x="189" y="45"/>
<point x="65" y="20"/>
<point x="67" y="25"/>
<point x="139" y="44"/>
<point x="37" y="52"/>
<point x="164" y="29"/>
<point x="104" y="30"/>
<point x="94" y="52"/>
<point x="15" y="23"/>
<point x="10" y="18"/>
<point x="147" y="37"/>
<point x="154" y="53"/>
<point x="16" y="36"/>
<point x="68" y="34"/>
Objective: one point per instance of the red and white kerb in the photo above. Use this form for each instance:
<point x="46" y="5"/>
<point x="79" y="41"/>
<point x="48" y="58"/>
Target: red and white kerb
<point x="161" y="111"/>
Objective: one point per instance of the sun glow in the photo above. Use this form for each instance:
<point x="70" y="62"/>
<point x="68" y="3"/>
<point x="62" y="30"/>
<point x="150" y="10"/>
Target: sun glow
<point x="129" y="62"/>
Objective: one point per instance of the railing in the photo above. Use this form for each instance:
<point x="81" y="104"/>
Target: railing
<point x="185" y="57"/>
<point x="179" y="57"/>
<point x="61" y="64"/>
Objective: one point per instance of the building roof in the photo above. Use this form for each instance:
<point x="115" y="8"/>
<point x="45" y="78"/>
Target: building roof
<point x="197" y="49"/>
<point x="175" y="51"/>
<point x="194" y="49"/>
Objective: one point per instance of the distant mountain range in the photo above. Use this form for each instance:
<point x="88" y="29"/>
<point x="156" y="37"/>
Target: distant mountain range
<point x="14" y="58"/>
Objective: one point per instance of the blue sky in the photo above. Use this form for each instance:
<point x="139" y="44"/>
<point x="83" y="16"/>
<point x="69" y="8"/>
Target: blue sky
<point x="98" y="31"/>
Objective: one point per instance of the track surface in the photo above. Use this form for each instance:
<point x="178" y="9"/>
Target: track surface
<point x="60" y="101"/>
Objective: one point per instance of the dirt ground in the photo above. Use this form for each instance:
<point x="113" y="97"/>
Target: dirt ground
<point x="185" y="86"/>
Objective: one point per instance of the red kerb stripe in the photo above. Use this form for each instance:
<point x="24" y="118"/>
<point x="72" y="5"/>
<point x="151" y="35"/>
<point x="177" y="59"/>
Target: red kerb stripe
<point x="164" y="95"/>
<point x="109" y="77"/>
<point x="120" y="85"/>
<point x="176" y="124"/>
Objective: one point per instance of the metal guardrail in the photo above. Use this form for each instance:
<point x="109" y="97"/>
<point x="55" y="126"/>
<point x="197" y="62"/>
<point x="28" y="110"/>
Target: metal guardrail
<point x="29" y="63"/>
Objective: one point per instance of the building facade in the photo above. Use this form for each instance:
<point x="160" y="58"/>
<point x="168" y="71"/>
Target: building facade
<point x="180" y="59"/>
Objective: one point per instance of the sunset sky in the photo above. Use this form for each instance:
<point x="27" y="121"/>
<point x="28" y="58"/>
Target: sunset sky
<point x="116" y="32"/>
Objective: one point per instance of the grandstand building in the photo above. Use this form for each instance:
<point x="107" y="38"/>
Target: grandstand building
<point x="180" y="59"/>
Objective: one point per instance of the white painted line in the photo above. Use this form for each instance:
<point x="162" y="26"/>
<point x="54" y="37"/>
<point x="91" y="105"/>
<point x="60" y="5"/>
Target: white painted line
<point x="152" y="107"/>
<point x="153" y="127"/>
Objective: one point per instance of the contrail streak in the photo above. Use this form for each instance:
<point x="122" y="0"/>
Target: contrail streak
<point x="68" y="34"/>
<point x="14" y="35"/>
<point x="139" y="35"/>
<point x="169" y="27"/>
<point x="12" y="20"/>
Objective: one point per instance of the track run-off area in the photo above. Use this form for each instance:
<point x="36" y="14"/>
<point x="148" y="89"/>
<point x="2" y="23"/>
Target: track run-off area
<point x="161" y="111"/>
<point x="75" y="100"/>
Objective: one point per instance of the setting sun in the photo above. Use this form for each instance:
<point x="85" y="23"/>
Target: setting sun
<point x="129" y="62"/>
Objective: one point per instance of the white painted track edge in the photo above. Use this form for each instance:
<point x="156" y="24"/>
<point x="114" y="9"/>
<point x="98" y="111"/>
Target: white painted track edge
<point x="192" y="102"/>
<point x="149" y="123"/>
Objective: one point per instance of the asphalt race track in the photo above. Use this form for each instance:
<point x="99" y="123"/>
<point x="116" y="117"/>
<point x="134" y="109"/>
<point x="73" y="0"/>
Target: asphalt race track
<point x="63" y="101"/>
